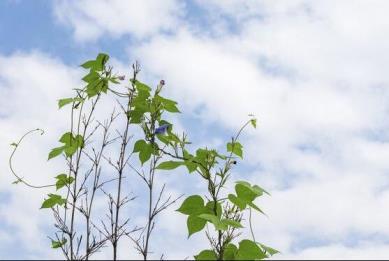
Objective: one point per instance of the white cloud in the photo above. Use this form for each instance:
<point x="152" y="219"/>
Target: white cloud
<point x="314" y="72"/>
<point x="91" y="19"/>
<point x="316" y="78"/>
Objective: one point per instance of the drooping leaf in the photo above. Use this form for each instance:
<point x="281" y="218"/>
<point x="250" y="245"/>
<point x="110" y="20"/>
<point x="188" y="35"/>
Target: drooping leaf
<point x="192" y="205"/>
<point x="195" y="224"/>
<point x="252" y="205"/>
<point x="206" y="255"/>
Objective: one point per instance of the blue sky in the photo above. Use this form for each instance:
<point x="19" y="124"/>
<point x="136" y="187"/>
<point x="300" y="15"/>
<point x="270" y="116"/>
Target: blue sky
<point x="313" y="72"/>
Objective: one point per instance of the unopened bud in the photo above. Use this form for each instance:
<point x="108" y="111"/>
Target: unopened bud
<point x="234" y="162"/>
<point x="162" y="82"/>
<point x="122" y="77"/>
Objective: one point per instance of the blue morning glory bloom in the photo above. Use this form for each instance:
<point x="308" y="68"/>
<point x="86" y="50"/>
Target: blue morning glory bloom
<point x="161" y="129"/>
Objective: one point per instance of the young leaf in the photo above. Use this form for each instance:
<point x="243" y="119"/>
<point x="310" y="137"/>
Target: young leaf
<point x="58" y="244"/>
<point x="193" y="205"/>
<point x="169" y="165"/>
<point x="52" y="201"/>
<point x="63" y="180"/>
<point x="236" y="148"/>
<point x="206" y="255"/>
<point x="249" y="250"/>
<point x="55" y="152"/>
<point x="254" y="123"/>
<point x="195" y="224"/>
<point x="63" y="102"/>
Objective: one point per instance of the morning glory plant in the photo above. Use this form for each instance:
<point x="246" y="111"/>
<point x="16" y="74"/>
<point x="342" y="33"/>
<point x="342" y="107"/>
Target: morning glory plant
<point x="133" y="142"/>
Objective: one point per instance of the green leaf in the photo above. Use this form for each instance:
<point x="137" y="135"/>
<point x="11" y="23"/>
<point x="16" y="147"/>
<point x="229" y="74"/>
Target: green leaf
<point x="192" y="205"/>
<point x="230" y="252"/>
<point x="232" y="223"/>
<point x="169" y="165"/>
<point x="145" y="153"/>
<point x="141" y="86"/>
<point x="214" y="220"/>
<point x="136" y="116"/>
<point x="241" y="204"/>
<point x="195" y="224"/>
<point x="145" y="150"/>
<point x="255" y="189"/>
<point x="88" y="64"/>
<point x="206" y="255"/>
<point x="52" y="201"/>
<point x="100" y="62"/>
<point x="63" y="180"/>
<point x="210" y="208"/>
<point x="249" y="250"/>
<point x="63" y="102"/>
<point x="245" y="193"/>
<point x="58" y="244"/>
<point x="254" y="123"/>
<point x="269" y="250"/>
<point x="168" y="105"/>
<point x="55" y="152"/>
<point x="139" y="145"/>
<point x="252" y="205"/>
<point x="236" y="148"/>
<point x="91" y="77"/>
<point x="14" y="144"/>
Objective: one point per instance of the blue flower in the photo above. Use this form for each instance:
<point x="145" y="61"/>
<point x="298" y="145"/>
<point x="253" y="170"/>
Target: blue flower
<point x="161" y="129"/>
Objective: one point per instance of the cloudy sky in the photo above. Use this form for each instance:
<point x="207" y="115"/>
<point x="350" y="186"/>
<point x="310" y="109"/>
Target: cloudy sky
<point x="314" y="73"/>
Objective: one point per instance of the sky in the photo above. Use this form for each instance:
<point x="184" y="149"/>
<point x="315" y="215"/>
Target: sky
<point x="313" y="72"/>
